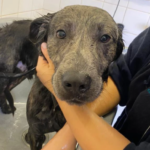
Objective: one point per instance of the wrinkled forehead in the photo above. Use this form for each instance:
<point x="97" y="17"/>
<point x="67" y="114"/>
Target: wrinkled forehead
<point x="84" y="16"/>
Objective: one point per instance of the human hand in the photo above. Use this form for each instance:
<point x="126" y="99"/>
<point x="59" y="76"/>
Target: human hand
<point x="45" y="69"/>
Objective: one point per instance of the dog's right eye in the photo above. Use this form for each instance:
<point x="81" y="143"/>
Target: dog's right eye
<point x="61" y="34"/>
<point x="105" y="38"/>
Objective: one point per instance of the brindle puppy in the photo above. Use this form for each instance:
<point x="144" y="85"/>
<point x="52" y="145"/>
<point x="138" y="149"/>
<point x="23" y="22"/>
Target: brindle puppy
<point x="82" y="41"/>
<point x="17" y="54"/>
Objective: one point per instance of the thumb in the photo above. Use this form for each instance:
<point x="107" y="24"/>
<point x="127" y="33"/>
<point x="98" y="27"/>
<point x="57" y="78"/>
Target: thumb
<point x="45" y="53"/>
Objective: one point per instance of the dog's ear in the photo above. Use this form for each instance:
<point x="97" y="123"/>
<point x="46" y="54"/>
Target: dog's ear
<point x="39" y="29"/>
<point x="120" y="44"/>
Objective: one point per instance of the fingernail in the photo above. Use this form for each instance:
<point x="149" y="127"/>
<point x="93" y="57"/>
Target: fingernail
<point x="44" y="45"/>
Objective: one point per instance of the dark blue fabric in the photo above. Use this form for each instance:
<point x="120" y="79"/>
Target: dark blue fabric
<point x="131" y="74"/>
<point x="142" y="146"/>
<point x="127" y="66"/>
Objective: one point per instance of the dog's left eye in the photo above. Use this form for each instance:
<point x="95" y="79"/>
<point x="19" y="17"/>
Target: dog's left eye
<point x="105" y="38"/>
<point x="61" y="34"/>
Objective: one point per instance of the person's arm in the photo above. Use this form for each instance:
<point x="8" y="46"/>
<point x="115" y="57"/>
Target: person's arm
<point x="107" y="100"/>
<point x="89" y="130"/>
<point x="63" y="140"/>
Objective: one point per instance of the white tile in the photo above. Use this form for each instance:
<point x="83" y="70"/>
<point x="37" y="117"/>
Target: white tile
<point x="51" y="5"/>
<point x="94" y="3"/>
<point x="10" y="16"/>
<point x="37" y="13"/>
<point x="148" y="25"/>
<point x="0" y="6"/>
<point x="65" y="3"/>
<point x="128" y="38"/>
<point x="45" y="12"/>
<point x="112" y="1"/>
<point x="109" y="8"/>
<point x="26" y="15"/>
<point x="37" y="4"/>
<point x="10" y="7"/>
<point x="135" y="21"/>
<point x="141" y="5"/>
<point x="7" y="19"/>
<point x="25" y="5"/>
<point x="120" y="14"/>
<point x="99" y="0"/>
<point x="122" y="2"/>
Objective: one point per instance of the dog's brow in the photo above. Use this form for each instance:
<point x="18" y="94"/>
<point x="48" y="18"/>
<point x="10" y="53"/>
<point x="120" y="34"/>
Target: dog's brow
<point x="105" y="29"/>
<point x="63" y="24"/>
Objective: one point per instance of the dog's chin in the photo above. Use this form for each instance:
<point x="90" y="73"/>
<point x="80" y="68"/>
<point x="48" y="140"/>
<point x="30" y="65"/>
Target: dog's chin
<point x="75" y="102"/>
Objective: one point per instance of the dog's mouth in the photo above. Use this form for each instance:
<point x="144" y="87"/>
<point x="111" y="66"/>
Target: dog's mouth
<point x="75" y="101"/>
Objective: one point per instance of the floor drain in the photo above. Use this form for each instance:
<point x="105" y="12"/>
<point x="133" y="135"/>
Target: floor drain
<point x="24" y="141"/>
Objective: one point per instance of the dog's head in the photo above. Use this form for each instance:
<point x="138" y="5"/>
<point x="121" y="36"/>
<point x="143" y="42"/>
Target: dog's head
<point x="82" y="41"/>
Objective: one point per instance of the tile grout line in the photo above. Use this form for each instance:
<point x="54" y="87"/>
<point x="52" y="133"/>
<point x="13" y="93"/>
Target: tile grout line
<point x="20" y="12"/>
<point x="125" y="12"/>
<point x="39" y="13"/>
<point x="43" y="5"/>
<point x="147" y="25"/>
<point x="18" y="8"/>
<point x="49" y="10"/>
<point x="9" y="14"/>
<point x="103" y="4"/>
<point x="138" y="10"/>
<point x="130" y="33"/>
<point x="128" y="7"/>
<point x="109" y="3"/>
<point x="1" y="8"/>
<point x="59" y="4"/>
<point x="81" y="3"/>
<point x="32" y="11"/>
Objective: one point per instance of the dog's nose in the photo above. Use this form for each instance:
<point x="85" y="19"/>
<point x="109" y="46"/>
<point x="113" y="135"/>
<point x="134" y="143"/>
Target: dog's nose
<point x="75" y="82"/>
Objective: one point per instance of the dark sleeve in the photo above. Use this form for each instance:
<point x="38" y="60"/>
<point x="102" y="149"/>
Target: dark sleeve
<point x="142" y="146"/>
<point x="123" y="70"/>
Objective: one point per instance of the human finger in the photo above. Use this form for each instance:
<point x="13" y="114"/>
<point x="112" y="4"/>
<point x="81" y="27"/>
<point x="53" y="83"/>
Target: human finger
<point x="45" y="53"/>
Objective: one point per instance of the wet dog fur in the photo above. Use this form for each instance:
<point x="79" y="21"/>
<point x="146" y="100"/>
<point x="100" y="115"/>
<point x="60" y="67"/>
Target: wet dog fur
<point x="82" y="41"/>
<point x="15" y="47"/>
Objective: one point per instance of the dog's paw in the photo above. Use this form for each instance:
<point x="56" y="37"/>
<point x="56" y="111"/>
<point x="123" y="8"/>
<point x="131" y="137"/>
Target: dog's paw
<point x="6" y="109"/>
<point x="42" y="139"/>
<point x="27" y="138"/>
